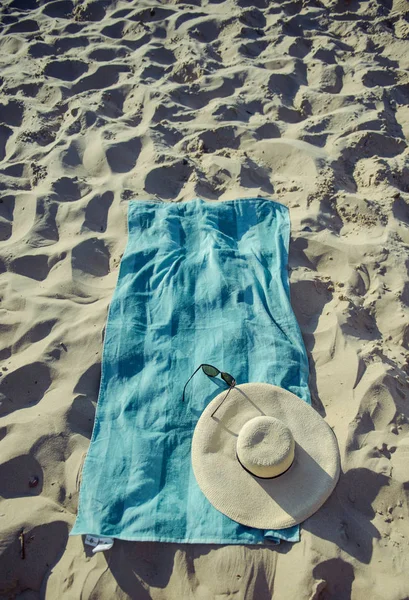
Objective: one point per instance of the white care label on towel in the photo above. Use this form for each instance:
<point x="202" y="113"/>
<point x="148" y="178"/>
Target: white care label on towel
<point x="99" y="543"/>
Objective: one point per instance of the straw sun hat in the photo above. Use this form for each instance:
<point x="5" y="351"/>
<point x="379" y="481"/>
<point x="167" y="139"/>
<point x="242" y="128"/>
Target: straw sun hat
<point x="266" y="458"/>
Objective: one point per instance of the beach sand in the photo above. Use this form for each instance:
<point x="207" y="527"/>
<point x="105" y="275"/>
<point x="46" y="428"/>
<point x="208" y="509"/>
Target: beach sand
<point x="302" y="102"/>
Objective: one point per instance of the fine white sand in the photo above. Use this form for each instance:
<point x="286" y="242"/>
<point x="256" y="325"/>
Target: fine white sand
<point x="304" y="102"/>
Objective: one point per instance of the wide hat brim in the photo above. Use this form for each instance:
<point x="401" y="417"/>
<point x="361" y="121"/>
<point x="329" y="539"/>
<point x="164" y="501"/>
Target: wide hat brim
<point x="275" y="503"/>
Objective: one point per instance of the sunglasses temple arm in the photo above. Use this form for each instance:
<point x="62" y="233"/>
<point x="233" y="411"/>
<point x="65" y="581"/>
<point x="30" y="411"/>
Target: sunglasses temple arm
<point x="217" y="408"/>
<point x="183" y="395"/>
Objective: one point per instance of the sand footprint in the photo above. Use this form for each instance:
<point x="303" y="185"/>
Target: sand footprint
<point x="400" y="209"/>
<point x="221" y="137"/>
<point x="34" y="334"/>
<point x="23" y="387"/>
<point x="366" y="144"/>
<point x="6" y="217"/>
<point x="21" y="476"/>
<point x="24" y="26"/>
<point x="253" y="49"/>
<point x="115" y="30"/>
<point x="253" y="175"/>
<point x="67" y="189"/>
<point x="23" y="5"/>
<point x="253" y="18"/>
<point x="34" y="266"/>
<point x="90" y="11"/>
<point x="267" y="131"/>
<point x="105" y="76"/>
<point x="107" y="54"/>
<point x="80" y="415"/>
<point x="96" y="212"/>
<point x="60" y="9"/>
<point x="5" y="134"/>
<point x="67" y="70"/>
<point x="379" y="431"/>
<point x="168" y="180"/>
<point x="150" y="15"/>
<point x="90" y="258"/>
<point x="204" y="31"/>
<point x="308" y="299"/>
<point x="12" y="113"/>
<point x="67" y="43"/>
<point x="122" y="156"/>
<point x="160" y="55"/>
<point x="381" y="77"/>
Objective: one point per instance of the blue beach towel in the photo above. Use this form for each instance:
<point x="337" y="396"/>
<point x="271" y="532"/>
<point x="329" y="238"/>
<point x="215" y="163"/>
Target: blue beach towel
<point x="199" y="282"/>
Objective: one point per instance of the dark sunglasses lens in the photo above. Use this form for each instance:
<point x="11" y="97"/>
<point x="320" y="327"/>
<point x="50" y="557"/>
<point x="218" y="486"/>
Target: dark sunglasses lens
<point x="228" y="378"/>
<point x="210" y="371"/>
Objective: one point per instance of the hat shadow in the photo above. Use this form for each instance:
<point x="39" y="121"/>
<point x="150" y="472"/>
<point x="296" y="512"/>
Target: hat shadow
<point x="344" y="521"/>
<point x="140" y="566"/>
<point x="346" y="517"/>
<point x="311" y="471"/>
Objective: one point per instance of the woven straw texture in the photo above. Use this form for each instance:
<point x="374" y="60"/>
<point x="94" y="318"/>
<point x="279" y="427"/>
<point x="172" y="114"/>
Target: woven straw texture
<point x="263" y="503"/>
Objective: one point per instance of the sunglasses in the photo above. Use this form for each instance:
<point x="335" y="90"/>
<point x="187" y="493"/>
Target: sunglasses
<point x="211" y="371"/>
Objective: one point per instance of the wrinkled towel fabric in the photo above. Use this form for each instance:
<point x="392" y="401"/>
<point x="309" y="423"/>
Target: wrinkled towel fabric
<point x="199" y="282"/>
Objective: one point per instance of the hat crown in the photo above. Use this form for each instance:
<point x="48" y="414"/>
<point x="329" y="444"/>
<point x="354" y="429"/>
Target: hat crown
<point x="265" y="446"/>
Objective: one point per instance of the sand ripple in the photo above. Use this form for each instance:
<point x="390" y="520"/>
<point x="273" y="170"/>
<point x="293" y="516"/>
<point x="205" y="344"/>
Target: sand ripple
<point x="104" y="101"/>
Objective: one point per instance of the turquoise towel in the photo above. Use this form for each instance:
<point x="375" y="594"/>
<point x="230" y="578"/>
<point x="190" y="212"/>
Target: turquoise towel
<point x="199" y="282"/>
